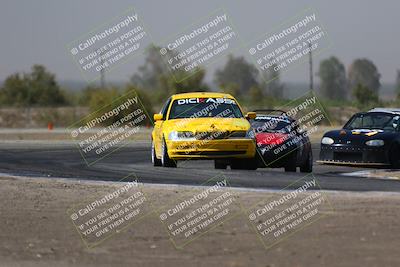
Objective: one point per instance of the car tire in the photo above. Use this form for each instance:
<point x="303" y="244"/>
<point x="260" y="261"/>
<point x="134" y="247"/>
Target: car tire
<point x="290" y="165"/>
<point x="308" y="165"/>
<point x="395" y="156"/>
<point x="165" y="160"/>
<point x="220" y="164"/>
<point x="261" y="163"/>
<point x="156" y="162"/>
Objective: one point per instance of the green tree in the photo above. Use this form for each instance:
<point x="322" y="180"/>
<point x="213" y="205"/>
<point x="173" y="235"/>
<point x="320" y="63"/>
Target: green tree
<point x="144" y="96"/>
<point x="38" y="87"/>
<point x="154" y="76"/>
<point x="271" y="84"/>
<point x="364" y="72"/>
<point x="230" y="88"/>
<point x="100" y="97"/>
<point x="15" y="91"/>
<point x="100" y="100"/>
<point x="86" y="94"/>
<point x="154" y="67"/>
<point x="237" y="71"/>
<point x="333" y="79"/>
<point x="365" y="96"/>
<point x="180" y="83"/>
<point x="256" y="95"/>
<point x="44" y="90"/>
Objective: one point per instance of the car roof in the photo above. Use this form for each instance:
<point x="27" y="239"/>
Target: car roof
<point x="202" y="94"/>
<point x="386" y="110"/>
<point x="276" y="117"/>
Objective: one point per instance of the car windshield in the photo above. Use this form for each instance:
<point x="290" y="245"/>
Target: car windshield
<point x="205" y="108"/>
<point x="377" y="121"/>
<point x="267" y="124"/>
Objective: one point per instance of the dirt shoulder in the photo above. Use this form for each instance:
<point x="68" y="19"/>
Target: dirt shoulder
<point x="358" y="229"/>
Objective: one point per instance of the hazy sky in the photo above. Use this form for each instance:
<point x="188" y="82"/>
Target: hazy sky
<point x="38" y="31"/>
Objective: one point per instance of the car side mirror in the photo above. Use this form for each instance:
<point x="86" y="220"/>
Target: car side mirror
<point x="251" y="115"/>
<point x="396" y="121"/>
<point x="300" y="130"/>
<point x="158" y="117"/>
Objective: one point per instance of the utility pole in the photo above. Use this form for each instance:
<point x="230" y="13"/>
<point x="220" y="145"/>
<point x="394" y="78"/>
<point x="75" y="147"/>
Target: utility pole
<point x="102" y="74"/>
<point x="29" y="117"/>
<point x="102" y="71"/>
<point x="311" y="67"/>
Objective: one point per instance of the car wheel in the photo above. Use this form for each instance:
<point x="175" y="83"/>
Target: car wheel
<point x="165" y="160"/>
<point x="260" y="160"/>
<point x="156" y="162"/>
<point x="290" y="165"/>
<point x="395" y="156"/>
<point x="220" y="164"/>
<point x="308" y="165"/>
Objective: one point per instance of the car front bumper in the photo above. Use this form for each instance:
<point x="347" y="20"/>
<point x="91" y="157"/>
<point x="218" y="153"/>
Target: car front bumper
<point x="211" y="149"/>
<point x="278" y="156"/>
<point x="353" y="155"/>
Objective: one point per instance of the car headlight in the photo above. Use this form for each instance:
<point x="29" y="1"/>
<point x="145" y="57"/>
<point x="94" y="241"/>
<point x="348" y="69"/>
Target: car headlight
<point x="181" y="136"/>
<point x="376" y="142"/>
<point x="327" y="141"/>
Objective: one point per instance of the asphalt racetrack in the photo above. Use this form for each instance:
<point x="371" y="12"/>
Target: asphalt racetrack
<point x="65" y="161"/>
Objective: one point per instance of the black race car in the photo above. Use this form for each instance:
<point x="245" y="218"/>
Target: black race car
<point x="281" y="142"/>
<point x="368" y="138"/>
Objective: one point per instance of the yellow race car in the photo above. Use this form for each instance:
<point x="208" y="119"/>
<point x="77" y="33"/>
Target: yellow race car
<point x="203" y="125"/>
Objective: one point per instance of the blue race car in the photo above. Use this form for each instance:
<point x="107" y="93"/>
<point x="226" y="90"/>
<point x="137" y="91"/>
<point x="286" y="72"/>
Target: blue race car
<point x="368" y="139"/>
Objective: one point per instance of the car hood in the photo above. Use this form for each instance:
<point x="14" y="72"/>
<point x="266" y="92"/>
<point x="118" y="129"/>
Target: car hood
<point x="207" y="124"/>
<point x="271" y="138"/>
<point x="359" y="135"/>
